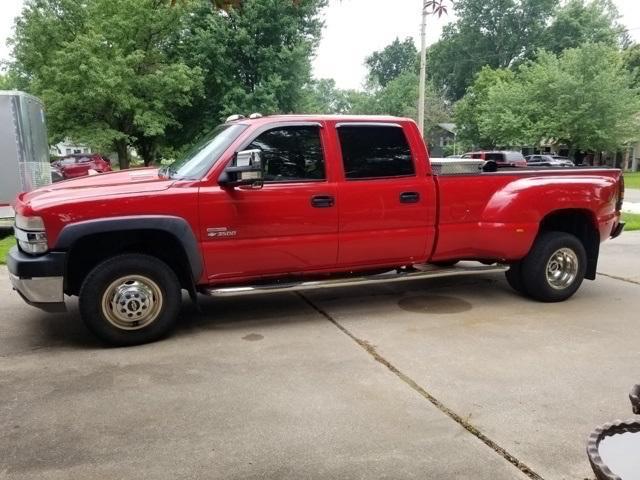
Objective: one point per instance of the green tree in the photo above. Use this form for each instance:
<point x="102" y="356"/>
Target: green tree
<point x="400" y="98"/>
<point x="106" y="70"/>
<point x="156" y="74"/>
<point x="392" y="61"/>
<point x="583" y="98"/>
<point x="497" y="33"/>
<point x="579" y="22"/>
<point x="631" y="58"/>
<point x="322" y="96"/>
<point x="393" y="87"/>
<point x="469" y="111"/>
<point x="254" y="58"/>
<point x="7" y="81"/>
<point x="44" y="28"/>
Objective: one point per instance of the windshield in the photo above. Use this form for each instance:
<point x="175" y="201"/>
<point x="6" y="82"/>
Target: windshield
<point x="199" y="160"/>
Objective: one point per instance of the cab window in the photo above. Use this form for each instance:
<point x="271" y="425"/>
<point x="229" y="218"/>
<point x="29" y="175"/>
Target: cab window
<point x="372" y="151"/>
<point x="291" y="154"/>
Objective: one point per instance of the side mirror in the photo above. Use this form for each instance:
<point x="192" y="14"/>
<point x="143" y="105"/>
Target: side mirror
<point x="245" y="170"/>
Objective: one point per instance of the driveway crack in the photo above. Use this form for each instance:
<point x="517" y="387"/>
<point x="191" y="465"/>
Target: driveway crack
<point x="371" y="350"/>
<point x="622" y="279"/>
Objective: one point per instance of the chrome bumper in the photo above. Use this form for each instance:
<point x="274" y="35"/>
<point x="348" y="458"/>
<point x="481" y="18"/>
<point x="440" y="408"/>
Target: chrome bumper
<point x="39" y="289"/>
<point x="39" y="280"/>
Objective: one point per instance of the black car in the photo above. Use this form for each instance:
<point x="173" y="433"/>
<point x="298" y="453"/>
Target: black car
<point x="543" y="160"/>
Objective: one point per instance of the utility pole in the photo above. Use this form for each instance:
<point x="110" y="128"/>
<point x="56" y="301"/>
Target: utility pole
<point x="423" y="66"/>
<point x="429" y="7"/>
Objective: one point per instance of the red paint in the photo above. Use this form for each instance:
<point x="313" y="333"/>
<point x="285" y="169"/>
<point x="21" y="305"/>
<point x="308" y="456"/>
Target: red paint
<point x="278" y="232"/>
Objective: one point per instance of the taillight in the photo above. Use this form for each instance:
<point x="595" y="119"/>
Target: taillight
<point x="620" y="194"/>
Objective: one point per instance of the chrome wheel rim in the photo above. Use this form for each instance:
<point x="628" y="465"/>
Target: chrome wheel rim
<point x="562" y="269"/>
<point x="132" y="302"/>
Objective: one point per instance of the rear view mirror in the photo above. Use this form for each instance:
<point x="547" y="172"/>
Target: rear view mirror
<point x="245" y="169"/>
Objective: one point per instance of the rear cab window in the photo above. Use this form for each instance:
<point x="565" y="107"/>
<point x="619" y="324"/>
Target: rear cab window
<point x="375" y="151"/>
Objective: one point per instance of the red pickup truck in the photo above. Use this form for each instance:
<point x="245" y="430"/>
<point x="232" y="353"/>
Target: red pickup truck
<point x="287" y="203"/>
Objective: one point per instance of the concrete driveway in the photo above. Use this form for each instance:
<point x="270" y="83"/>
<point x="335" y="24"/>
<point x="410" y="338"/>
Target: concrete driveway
<point x="456" y="378"/>
<point x="631" y="200"/>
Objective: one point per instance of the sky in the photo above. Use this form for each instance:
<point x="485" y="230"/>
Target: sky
<point x="353" y="29"/>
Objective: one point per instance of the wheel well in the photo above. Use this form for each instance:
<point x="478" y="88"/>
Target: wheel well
<point x="92" y="249"/>
<point x="580" y="223"/>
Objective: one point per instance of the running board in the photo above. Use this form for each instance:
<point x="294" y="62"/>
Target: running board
<point x="427" y="271"/>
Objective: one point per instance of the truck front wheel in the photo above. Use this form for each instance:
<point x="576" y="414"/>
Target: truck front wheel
<point x="130" y="299"/>
<point x="554" y="268"/>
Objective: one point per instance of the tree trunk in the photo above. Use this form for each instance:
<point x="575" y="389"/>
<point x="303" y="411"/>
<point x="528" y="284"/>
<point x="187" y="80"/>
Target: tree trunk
<point x="123" y="154"/>
<point x="148" y="151"/>
<point x="625" y="164"/>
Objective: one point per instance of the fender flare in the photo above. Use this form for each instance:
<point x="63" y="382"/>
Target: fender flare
<point x="178" y="227"/>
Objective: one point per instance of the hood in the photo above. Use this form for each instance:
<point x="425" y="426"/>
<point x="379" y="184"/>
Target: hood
<point x="144" y="180"/>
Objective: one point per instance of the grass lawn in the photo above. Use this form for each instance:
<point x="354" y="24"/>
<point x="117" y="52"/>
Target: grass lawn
<point x="632" y="180"/>
<point x="633" y="221"/>
<point x="5" y="244"/>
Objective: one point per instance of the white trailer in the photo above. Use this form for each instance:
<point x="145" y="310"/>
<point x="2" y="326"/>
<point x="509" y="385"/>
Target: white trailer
<point x="24" y="148"/>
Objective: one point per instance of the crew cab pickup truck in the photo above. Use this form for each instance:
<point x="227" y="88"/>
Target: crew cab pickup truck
<point x="289" y="203"/>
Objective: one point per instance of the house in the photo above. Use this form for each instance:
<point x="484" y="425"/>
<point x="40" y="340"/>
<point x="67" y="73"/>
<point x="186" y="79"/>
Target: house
<point x="68" y="147"/>
<point x="440" y="137"/>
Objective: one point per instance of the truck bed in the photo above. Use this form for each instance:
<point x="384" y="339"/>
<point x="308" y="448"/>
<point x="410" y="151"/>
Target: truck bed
<point x="496" y="215"/>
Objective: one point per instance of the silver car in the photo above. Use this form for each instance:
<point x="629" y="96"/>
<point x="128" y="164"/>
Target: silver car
<point x="548" y="161"/>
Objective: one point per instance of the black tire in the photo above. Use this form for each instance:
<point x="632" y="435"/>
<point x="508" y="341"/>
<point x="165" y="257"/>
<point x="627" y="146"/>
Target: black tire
<point x="129" y="275"/>
<point x="536" y="281"/>
<point x="514" y="277"/>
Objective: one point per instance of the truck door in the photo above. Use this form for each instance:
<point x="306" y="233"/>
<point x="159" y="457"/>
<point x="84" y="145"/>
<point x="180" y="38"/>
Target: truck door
<point x="288" y="226"/>
<point x="387" y="204"/>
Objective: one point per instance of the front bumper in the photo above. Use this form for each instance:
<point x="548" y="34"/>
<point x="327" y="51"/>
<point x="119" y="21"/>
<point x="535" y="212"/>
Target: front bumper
<point x="618" y="230"/>
<point x="38" y="279"/>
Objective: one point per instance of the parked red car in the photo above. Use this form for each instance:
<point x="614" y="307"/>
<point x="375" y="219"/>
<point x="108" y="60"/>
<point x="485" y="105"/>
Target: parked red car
<point x="291" y="203"/>
<point x="78" y="165"/>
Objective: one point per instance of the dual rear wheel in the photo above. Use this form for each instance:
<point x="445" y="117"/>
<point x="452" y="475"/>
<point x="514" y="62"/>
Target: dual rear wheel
<point x="553" y="270"/>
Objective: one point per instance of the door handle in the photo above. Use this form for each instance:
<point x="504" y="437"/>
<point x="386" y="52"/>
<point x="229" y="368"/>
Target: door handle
<point x="323" y="201"/>
<point x="409" y="197"/>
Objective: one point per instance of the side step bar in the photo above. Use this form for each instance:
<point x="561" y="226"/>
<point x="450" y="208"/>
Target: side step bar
<point x="426" y="271"/>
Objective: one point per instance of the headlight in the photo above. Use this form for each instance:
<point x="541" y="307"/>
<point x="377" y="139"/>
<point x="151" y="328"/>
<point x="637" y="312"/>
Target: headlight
<point x="31" y="235"/>
<point x="31" y="224"/>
